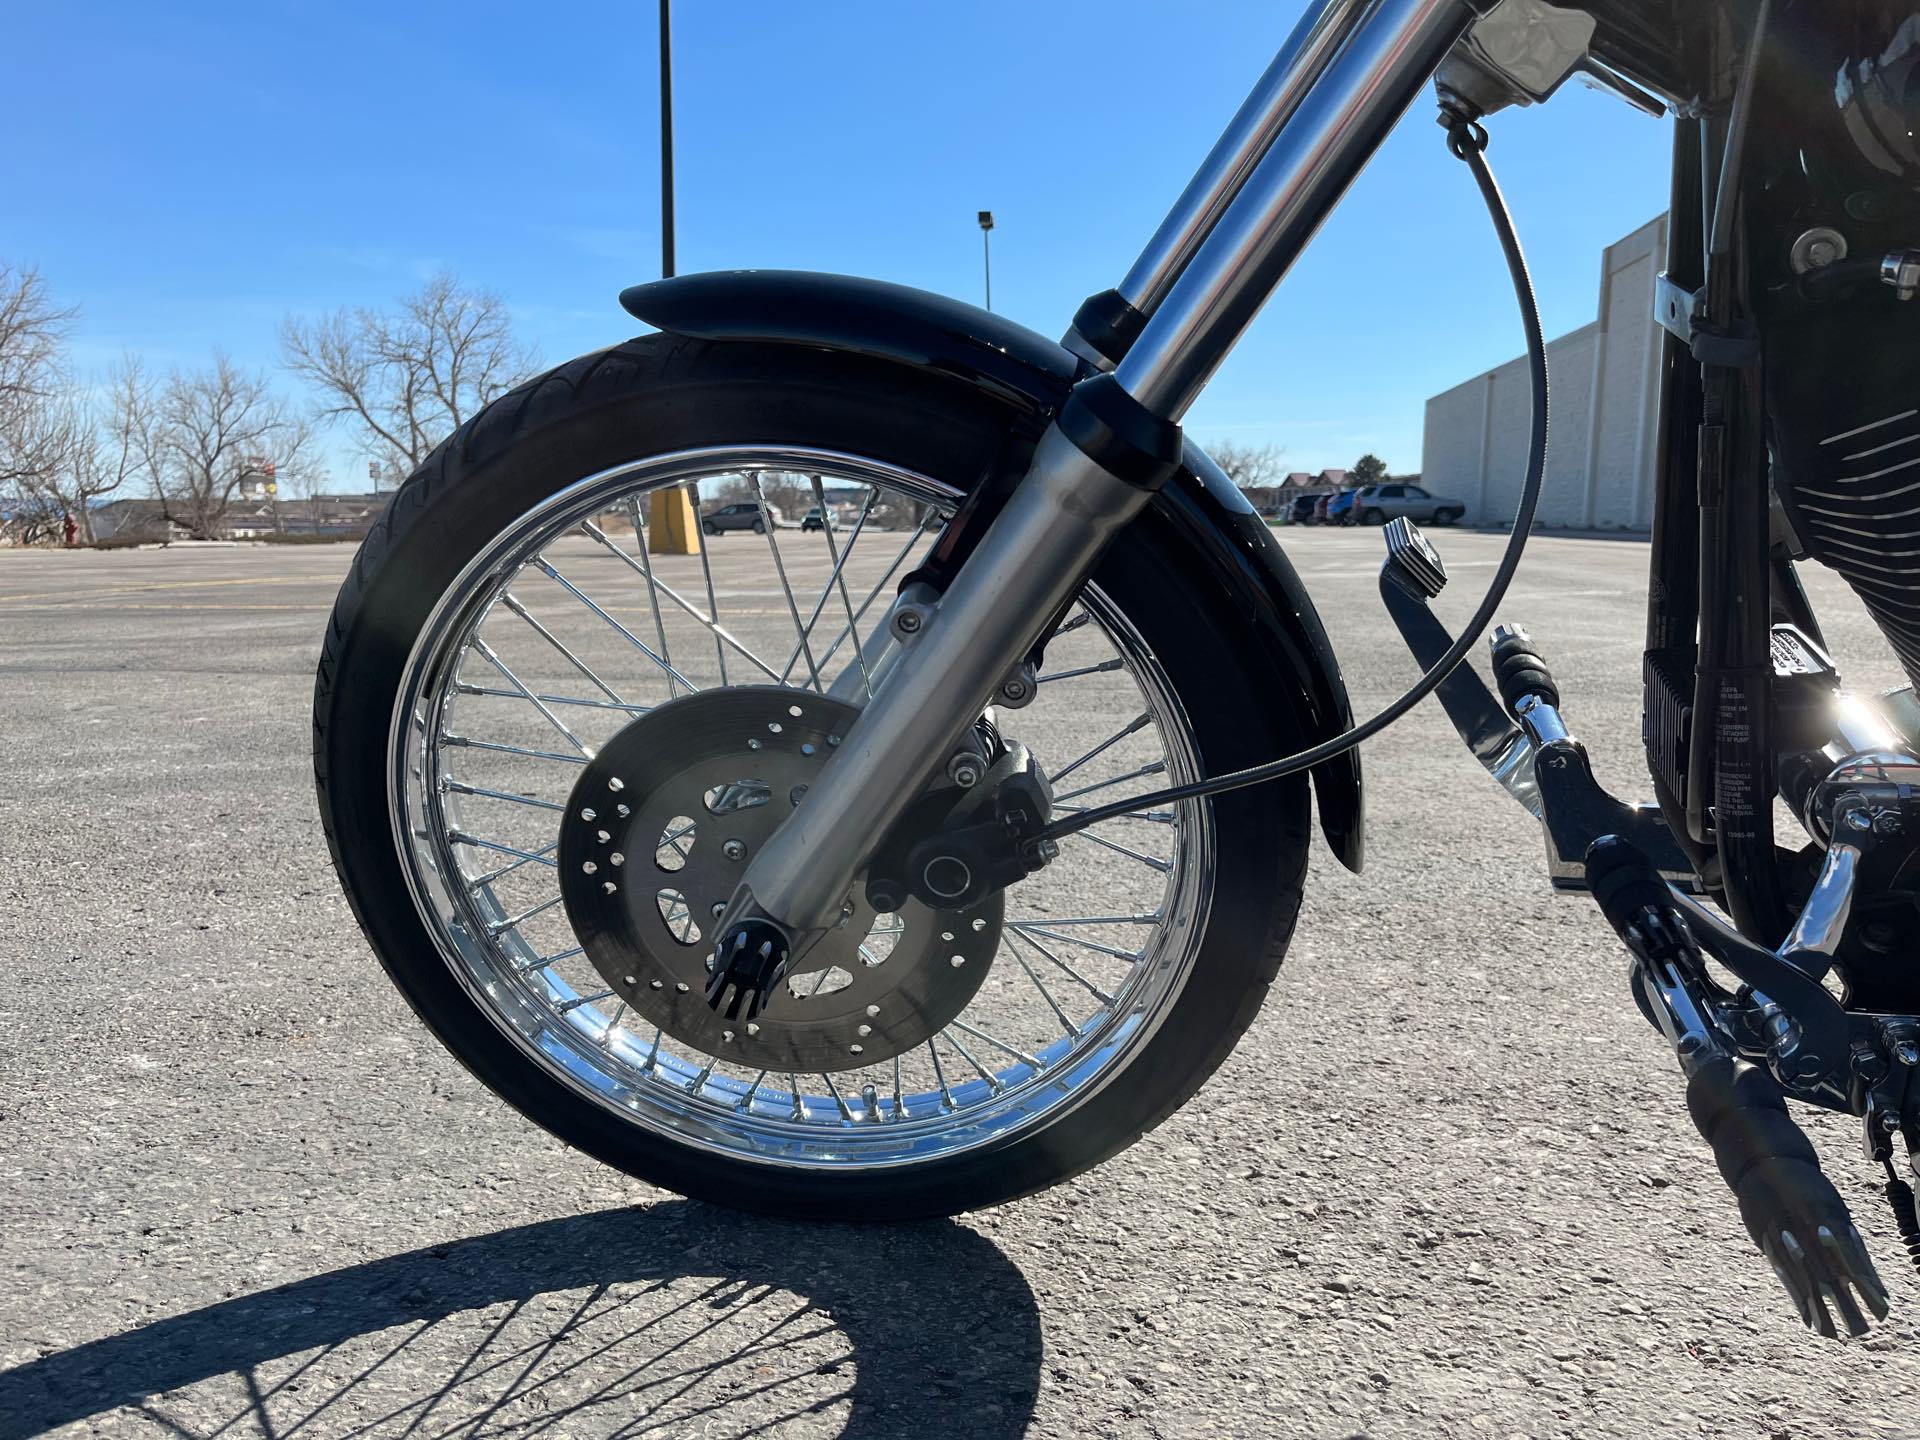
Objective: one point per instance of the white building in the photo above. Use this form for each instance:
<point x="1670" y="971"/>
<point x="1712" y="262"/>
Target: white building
<point x="1605" y="413"/>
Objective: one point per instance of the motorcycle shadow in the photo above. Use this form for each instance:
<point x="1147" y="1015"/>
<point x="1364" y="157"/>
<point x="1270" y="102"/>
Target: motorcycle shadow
<point x="676" y="1318"/>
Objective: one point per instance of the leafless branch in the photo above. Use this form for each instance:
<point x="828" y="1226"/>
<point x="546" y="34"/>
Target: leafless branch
<point x="406" y="379"/>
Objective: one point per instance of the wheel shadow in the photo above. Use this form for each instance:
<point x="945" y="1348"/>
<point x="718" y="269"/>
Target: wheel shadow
<point x="676" y="1318"/>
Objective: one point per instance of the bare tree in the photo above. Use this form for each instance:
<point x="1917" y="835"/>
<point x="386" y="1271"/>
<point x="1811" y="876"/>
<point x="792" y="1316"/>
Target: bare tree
<point x="204" y="431"/>
<point x="408" y="378"/>
<point x="96" y="445"/>
<point x="306" y="483"/>
<point x="1250" y="466"/>
<point x="34" y="436"/>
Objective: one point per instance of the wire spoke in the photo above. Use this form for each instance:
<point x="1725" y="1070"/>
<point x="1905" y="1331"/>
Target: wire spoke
<point x="460" y="787"/>
<point x="1148" y="817"/>
<point x="881" y="584"/>
<point x="1066" y="1020"/>
<point x="485" y="652"/>
<point x="1101" y="995"/>
<point x="838" y="579"/>
<point x="838" y="1099"/>
<point x="1130" y="956"/>
<point x="653" y="591"/>
<point x="467" y="687"/>
<point x="993" y="1080"/>
<point x="1151" y="861"/>
<point x="1001" y="1045"/>
<point x="721" y="635"/>
<point x="541" y="962"/>
<point x="534" y="857"/>
<point x="1153" y="919"/>
<point x="713" y="605"/>
<point x="632" y="639"/>
<point x="500" y="927"/>
<point x="1103" y="668"/>
<point x="1155" y="767"/>
<point x="530" y="857"/>
<point x="780" y="569"/>
<point x="940" y="1075"/>
<point x="513" y="603"/>
<point x="1132" y="727"/>
<point x="467" y="742"/>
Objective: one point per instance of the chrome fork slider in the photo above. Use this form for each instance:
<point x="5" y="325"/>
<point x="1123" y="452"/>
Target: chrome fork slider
<point x="1094" y="469"/>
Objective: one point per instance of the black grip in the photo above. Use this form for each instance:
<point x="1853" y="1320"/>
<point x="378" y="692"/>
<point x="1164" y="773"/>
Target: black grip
<point x="1789" y="1206"/>
<point x="1624" y="882"/>
<point x="1520" y="671"/>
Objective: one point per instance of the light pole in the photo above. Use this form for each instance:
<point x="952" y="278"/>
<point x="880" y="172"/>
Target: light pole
<point x="666" y="140"/>
<point x="986" y="246"/>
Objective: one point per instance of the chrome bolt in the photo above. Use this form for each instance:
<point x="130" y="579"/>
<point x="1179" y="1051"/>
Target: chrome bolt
<point x="908" y="621"/>
<point x="1859" y="819"/>
<point x="734" y="849"/>
<point x="719" y="909"/>
<point x="1907" y="1053"/>
<point x="964" y="770"/>
<point x="1889" y="1121"/>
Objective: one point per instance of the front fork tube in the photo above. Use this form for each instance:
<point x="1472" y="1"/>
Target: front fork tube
<point x="1044" y="544"/>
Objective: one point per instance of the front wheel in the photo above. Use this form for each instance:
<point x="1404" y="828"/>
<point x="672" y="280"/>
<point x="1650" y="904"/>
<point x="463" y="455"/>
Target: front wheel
<point x="1374" y="517"/>
<point x="498" y="631"/>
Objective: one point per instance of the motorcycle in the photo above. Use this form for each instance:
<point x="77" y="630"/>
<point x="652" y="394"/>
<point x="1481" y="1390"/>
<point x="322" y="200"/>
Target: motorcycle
<point x="843" y="884"/>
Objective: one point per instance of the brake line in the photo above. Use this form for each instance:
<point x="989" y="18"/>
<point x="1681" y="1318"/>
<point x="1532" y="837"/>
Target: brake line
<point x="1467" y="141"/>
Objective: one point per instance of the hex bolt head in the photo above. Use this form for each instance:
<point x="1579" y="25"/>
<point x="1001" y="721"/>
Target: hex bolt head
<point x="964" y="770"/>
<point x="908" y="621"/>
<point x="734" y="849"/>
<point x="1907" y="1053"/>
<point x="1014" y="691"/>
<point x="1859" y="819"/>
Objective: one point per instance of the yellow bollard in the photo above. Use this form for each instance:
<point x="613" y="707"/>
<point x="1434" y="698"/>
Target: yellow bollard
<point x="673" y="527"/>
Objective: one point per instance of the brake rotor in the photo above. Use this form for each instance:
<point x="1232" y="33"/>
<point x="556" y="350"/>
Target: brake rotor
<point x="658" y="832"/>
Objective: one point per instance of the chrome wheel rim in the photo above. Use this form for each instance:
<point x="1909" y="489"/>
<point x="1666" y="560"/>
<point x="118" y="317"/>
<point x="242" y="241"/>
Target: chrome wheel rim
<point x="565" y="628"/>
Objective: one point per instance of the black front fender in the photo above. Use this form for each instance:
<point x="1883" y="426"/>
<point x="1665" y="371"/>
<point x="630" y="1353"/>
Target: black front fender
<point x="1032" y="374"/>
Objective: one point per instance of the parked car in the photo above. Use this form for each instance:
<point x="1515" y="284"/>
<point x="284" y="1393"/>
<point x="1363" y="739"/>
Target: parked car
<point x="1299" y="510"/>
<point x="742" y="515"/>
<point x="1320" y="504"/>
<point x="1340" y="507"/>
<point x="1377" y="504"/>
<point x="816" y="519"/>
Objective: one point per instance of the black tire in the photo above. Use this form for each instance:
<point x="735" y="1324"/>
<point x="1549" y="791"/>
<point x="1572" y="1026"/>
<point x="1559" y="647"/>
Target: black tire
<point x="1374" y="517"/>
<point x="759" y="527"/>
<point x="658" y="394"/>
<point x="1446" y="517"/>
<point x="711" y="529"/>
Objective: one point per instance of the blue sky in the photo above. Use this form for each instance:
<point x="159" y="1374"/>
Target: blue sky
<point x="189" y="174"/>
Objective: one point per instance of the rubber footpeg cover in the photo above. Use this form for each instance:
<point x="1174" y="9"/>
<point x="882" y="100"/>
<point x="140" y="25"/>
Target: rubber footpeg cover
<point x="1788" y="1205"/>
<point x="1520" y="670"/>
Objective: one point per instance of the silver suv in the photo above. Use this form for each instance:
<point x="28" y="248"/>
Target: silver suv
<point x="1377" y="504"/>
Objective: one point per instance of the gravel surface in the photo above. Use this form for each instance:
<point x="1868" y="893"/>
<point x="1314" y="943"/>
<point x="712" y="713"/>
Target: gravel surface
<point x="1446" y="1187"/>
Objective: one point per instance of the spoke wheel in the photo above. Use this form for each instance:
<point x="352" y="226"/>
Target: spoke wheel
<point x="506" y="624"/>
<point x="569" y="631"/>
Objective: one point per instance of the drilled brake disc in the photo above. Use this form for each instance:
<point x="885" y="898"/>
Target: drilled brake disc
<point x="658" y="832"/>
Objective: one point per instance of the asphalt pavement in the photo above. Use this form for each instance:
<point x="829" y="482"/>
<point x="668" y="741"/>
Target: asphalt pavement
<point x="1446" y="1186"/>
